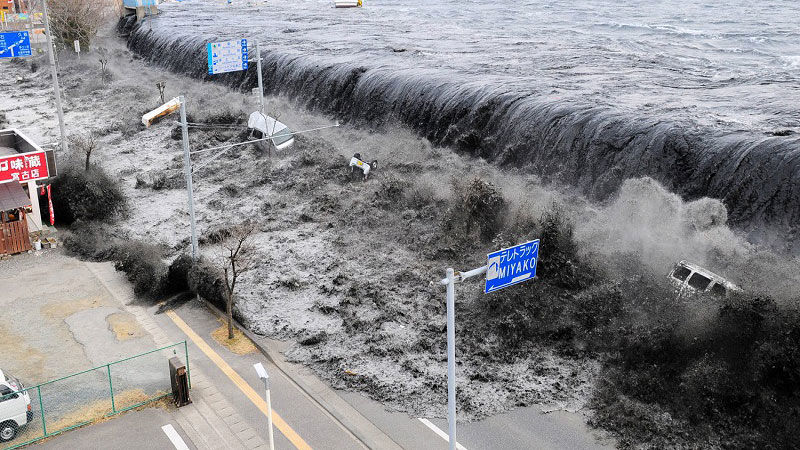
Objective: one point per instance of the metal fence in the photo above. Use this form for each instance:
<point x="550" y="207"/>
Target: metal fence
<point x="88" y="396"/>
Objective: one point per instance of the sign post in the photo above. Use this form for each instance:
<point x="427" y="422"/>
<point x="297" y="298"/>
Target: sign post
<point x="504" y="268"/>
<point x="54" y="70"/>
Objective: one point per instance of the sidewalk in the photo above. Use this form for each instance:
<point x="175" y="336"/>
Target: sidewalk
<point x="210" y="422"/>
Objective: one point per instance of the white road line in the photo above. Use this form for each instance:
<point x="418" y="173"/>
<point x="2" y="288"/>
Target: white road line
<point x="441" y="433"/>
<point x="174" y="437"/>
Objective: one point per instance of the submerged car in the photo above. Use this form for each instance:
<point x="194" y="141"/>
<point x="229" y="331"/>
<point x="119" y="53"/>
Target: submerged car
<point x="264" y="126"/>
<point x="15" y="407"/>
<point x="692" y="279"/>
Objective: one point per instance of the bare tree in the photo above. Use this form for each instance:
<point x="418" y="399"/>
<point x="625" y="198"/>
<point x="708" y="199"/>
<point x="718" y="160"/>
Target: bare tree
<point x="84" y="143"/>
<point x="103" y="59"/>
<point x="238" y="256"/>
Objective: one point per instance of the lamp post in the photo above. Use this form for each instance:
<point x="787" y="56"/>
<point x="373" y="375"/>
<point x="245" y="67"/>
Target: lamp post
<point x="262" y="373"/>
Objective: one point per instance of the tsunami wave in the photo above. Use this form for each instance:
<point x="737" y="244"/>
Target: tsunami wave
<point x="594" y="148"/>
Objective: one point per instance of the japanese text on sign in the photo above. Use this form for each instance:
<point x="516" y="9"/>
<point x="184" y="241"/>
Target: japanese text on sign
<point x="23" y="167"/>
<point x="511" y="265"/>
<point x="229" y="56"/>
<point x="16" y="43"/>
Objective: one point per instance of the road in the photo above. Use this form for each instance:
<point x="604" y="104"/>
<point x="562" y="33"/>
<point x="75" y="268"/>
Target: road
<point x="521" y="428"/>
<point x="307" y="413"/>
<point x="136" y="430"/>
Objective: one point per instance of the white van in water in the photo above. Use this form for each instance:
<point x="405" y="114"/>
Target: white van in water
<point x="15" y="407"/>
<point x="691" y="278"/>
<point x="264" y="126"/>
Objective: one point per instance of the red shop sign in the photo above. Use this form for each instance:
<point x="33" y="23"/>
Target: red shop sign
<point x="24" y="167"/>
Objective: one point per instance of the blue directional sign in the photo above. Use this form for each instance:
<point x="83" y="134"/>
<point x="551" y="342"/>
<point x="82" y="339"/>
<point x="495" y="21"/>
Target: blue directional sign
<point x="14" y="44"/>
<point x="511" y="266"/>
<point x="229" y="56"/>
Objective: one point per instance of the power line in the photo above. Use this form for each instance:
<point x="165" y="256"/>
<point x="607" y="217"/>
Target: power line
<point x="227" y="147"/>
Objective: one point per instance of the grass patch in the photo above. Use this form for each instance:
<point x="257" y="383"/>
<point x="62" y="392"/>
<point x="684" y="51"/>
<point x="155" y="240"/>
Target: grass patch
<point x="240" y="344"/>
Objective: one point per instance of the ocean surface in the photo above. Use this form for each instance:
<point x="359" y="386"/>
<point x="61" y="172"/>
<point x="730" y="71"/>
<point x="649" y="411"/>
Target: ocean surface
<point x="702" y="96"/>
<point x="732" y="64"/>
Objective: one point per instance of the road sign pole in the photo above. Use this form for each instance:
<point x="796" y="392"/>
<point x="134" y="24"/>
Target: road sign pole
<point x="260" y="80"/>
<point x="187" y="163"/>
<point x="54" y="70"/>
<point x="451" y="357"/>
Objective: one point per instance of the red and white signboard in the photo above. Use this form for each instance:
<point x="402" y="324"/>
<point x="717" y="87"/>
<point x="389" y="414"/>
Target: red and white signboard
<point x="23" y="167"/>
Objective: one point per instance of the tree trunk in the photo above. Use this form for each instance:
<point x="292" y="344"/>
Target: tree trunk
<point x="230" y="315"/>
<point x="88" y="155"/>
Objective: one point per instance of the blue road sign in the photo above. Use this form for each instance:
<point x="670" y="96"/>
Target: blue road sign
<point x="229" y="56"/>
<point x="511" y="266"/>
<point x="14" y="44"/>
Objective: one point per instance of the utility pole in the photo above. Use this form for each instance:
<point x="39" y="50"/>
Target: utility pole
<point x="187" y="163"/>
<point x="450" y="281"/>
<point x="260" y="80"/>
<point x="54" y="70"/>
<point x="504" y="268"/>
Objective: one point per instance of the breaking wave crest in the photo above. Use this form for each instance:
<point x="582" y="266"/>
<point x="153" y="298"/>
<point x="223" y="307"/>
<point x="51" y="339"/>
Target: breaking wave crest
<point x="594" y="148"/>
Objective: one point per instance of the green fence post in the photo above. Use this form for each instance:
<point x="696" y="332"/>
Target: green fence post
<point x="41" y="409"/>
<point x="111" y="387"/>
<point x="188" y="372"/>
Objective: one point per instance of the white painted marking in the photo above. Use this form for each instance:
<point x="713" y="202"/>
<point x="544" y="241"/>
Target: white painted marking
<point x="441" y="433"/>
<point x="174" y="437"/>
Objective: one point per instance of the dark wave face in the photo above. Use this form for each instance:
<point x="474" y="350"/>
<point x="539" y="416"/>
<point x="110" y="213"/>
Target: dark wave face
<point x="702" y="96"/>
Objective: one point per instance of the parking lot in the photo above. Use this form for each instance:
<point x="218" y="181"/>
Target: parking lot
<point x="62" y="321"/>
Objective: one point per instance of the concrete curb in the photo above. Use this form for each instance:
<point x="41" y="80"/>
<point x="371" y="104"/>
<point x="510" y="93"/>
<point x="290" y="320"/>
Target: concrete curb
<point x="351" y="420"/>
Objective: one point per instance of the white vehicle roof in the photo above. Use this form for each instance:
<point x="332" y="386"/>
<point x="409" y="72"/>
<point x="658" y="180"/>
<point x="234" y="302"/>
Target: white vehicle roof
<point x="711" y="275"/>
<point x="281" y="134"/>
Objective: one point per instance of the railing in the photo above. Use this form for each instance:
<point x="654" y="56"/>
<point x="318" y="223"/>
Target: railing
<point x="84" y="397"/>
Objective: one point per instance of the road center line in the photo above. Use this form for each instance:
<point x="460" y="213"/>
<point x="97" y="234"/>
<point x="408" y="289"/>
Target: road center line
<point x="248" y="391"/>
<point x="439" y="432"/>
<point x="174" y="437"/>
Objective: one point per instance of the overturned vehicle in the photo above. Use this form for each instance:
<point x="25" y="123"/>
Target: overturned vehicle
<point x="691" y="279"/>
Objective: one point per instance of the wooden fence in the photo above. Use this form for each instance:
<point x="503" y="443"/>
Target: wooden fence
<point x="14" y="237"/>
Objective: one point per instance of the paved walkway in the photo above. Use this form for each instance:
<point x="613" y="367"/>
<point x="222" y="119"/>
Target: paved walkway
<point x="211" y="421"/>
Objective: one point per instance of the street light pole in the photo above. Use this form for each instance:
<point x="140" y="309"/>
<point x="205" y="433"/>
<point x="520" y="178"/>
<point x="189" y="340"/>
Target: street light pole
<point x="269" y="415"/>
<point x="262" y="373"/>
<point x="54" y="70"/>
<point x="187" y="163"/>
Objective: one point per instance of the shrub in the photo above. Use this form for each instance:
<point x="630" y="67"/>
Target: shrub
<point x="479" y="206"/>
<point x="178" y="273"/>
<point x="390" y="192"/>
<point x="558" y="260"/>
<point x="78" y="20"/>
<point x="206" y="280"/>
<point x="87" y="195"/>
<point x="90" y="241"/>
<point x="483" y="205"/>
<point x="143" y="266"/>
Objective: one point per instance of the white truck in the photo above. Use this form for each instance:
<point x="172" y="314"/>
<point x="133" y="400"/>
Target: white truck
<point x="15" y="407"/>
